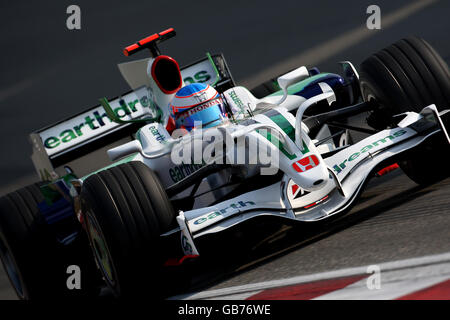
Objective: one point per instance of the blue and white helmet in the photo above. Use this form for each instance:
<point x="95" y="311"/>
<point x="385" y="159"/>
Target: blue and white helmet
<point x="197" y="104"/>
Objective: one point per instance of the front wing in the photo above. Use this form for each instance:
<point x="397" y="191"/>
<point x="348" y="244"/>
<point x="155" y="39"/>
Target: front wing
<point x="349" y="169"/>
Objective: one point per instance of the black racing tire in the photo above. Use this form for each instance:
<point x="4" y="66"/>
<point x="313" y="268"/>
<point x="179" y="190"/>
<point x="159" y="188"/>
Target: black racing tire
<point x="408" y="76"/>
<point x="35" y="262"/>
<point x="126" y="209"/>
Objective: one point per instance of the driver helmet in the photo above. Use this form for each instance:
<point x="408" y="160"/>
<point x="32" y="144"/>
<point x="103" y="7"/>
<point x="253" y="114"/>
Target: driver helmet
<point x="197" y="104"/>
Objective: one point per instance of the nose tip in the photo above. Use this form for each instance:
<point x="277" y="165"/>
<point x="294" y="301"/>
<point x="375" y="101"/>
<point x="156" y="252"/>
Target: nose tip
<point x="318" y="182"/>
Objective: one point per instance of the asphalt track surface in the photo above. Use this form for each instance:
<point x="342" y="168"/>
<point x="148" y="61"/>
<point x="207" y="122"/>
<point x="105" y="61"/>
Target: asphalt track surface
<point x="49" y="73"/>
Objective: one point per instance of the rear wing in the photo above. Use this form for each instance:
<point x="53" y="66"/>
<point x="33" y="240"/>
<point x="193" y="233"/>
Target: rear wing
<point x="81" y="141"/>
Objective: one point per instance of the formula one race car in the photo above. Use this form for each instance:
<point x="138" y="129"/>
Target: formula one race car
<point x="121" y="198"/>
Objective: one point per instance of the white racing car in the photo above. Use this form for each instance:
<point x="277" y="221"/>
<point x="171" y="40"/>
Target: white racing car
<point x="288" y="155"/>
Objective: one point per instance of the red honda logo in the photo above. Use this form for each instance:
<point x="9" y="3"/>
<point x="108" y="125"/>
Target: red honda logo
<point x="306" y="163"/>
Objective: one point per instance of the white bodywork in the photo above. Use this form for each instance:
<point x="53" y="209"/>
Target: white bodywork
<point x="327" y="188"/>
<point x="311" y="189"/>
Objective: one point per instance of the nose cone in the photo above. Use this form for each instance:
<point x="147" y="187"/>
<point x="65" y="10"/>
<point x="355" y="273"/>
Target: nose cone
<point x="318" y="182"/>
<point x="310" y="173"/>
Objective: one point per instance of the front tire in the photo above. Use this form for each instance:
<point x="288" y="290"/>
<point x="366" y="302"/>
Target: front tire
<point x="126" y="210"/>
<point x="408" y="76"/>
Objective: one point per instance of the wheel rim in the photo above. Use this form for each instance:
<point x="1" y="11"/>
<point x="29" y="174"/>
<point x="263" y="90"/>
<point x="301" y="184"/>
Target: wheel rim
<point x="11" y="268"/>
<point x="100" y="249"/>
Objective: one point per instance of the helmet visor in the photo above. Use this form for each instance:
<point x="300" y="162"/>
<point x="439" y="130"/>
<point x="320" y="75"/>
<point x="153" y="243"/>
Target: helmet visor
<point x="208" y="114"/>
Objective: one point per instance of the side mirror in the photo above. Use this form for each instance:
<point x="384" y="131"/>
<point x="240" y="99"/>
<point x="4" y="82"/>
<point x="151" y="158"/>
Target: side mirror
<point x="289" y="79"/>
<point x="327" y="94"/>
<point x="351" y="77"/>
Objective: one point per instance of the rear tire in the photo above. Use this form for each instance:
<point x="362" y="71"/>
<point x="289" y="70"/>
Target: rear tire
<point x="126" y="210"/>
<point x="36" y="263"/>
<point x="408" y="76"/>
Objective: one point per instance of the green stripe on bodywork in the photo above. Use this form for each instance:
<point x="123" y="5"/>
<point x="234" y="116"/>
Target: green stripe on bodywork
<point x="124" y="160"/>
<point x="274" y="140"/>
<point x="283" y="123"/>
<point x="299" y="86"/>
